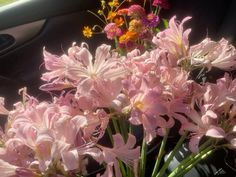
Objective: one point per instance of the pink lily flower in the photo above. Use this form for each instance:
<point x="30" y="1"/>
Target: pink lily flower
<point x="222" y="95"/>
<point x="174" y="40"/>
<point x="99" y="81"/>
<point x="203" y="125"/>
<point x="6" y="169"/>
<point x="147" y="108"/>
<point x="9" y="170"/>
<point x="210" y="54"/>
<point x="123" y="151"/>
<point x="58" y="70"/>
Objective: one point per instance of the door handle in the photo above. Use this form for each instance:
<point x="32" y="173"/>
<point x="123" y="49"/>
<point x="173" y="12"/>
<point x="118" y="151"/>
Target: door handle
<point x="6" y="41"/>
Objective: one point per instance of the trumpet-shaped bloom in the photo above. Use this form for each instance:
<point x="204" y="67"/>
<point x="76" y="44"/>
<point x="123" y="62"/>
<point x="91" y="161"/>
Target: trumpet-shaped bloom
<point x="100" y="81"/>
<point x="58" y="66"/>
<point x="174" y="40"/>
<point x="212" y="104"/>
<point x="9" y="170"/>
<point x="204" y="124"/>
<point x="104" y="67"/>
<point x="157" y="92"/>
<point x="210" y="54"/>
<point x="147" y="107"/>
<point x="221" y="95"/>
<point x="122" y="151"/>
<point x="41" y="133"/>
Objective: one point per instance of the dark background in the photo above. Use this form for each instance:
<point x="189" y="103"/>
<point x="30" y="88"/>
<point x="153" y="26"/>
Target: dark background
<point x="210" y="18"/>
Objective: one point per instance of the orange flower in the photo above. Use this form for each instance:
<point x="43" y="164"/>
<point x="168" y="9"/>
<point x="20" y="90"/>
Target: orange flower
<point x="87" y="32"/>
<point x="123" y="11"/>
<point x="111" y="15"/>
<point x="128" y="36"/>
<point x="132" y="35"/>
<point x="123" y="39"/>
<point x="119" y="21"/>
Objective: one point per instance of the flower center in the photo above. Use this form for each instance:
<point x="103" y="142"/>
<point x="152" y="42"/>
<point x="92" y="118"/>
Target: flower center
<point x="139" y="105"/>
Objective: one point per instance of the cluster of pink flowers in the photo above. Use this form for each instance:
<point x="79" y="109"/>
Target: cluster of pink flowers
<point x="153" y="89"/>
<point x="43" y="138"/>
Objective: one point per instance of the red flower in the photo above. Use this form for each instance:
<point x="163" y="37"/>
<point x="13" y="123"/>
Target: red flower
<point x="162" y="3"/>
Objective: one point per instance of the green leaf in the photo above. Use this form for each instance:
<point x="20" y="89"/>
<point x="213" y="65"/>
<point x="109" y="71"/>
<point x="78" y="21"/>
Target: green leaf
<point x="165" y="22"/>
<point x="157" y="30"/>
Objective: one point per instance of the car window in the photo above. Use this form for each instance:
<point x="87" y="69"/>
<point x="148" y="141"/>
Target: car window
<point x="5" y="2"/>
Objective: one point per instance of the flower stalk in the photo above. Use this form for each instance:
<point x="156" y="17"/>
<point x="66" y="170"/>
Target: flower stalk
<point x="160" y="154"/>
<point x="171" y="155"/>
<point x="184" y="168"/>
<point x="142" y="167"/>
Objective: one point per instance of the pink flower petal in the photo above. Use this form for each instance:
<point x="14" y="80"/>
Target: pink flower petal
<point x="70" y="160"/>
<point x="215" y="132"/>
<point x="194" y="143"/>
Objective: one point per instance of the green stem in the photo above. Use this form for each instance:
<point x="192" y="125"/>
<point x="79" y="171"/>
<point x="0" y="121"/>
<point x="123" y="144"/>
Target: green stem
<point x="116" y="127"/>
<point x="123" y="128"/>
<point x="191" y="156"/>
<point x="119" y="50"/>
<point x="97" y="17"/>
<point x="126" y="23"/>
<point x="97" y="27"/>
<point x="144" y="3"/>
<point x="159" y="10"/>
<point x="122" y="168"/>
<point x="188" y="166"/>
<point x="117" y="130"/>
<point x="129" y="171"/>
<point x="120" y="5"/>
<point x="170" y="157"/>
<point x="130" y="129"/>
<point x="109" y="131"/>
<point x="156" y="10"/>
<point x="116" y="43"/>
<point x="160" y="154"/>
<point x="193" y="159"/>
<point x="23" y="93"/>
<point x="143" y="159"/>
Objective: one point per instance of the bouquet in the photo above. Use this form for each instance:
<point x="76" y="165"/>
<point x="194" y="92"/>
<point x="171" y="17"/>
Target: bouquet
<point x="111" y="110"/>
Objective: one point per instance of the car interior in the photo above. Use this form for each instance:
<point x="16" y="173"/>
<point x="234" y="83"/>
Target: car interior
<point x="27" y="26"/>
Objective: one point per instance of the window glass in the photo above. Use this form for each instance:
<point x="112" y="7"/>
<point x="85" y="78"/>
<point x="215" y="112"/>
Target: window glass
<point x="5" y="2"/>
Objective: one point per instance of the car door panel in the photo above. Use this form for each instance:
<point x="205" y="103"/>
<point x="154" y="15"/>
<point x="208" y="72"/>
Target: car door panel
<point x="26" y="11"/>
<point x="20" y="66"/>
<point x="21" y="33"/>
